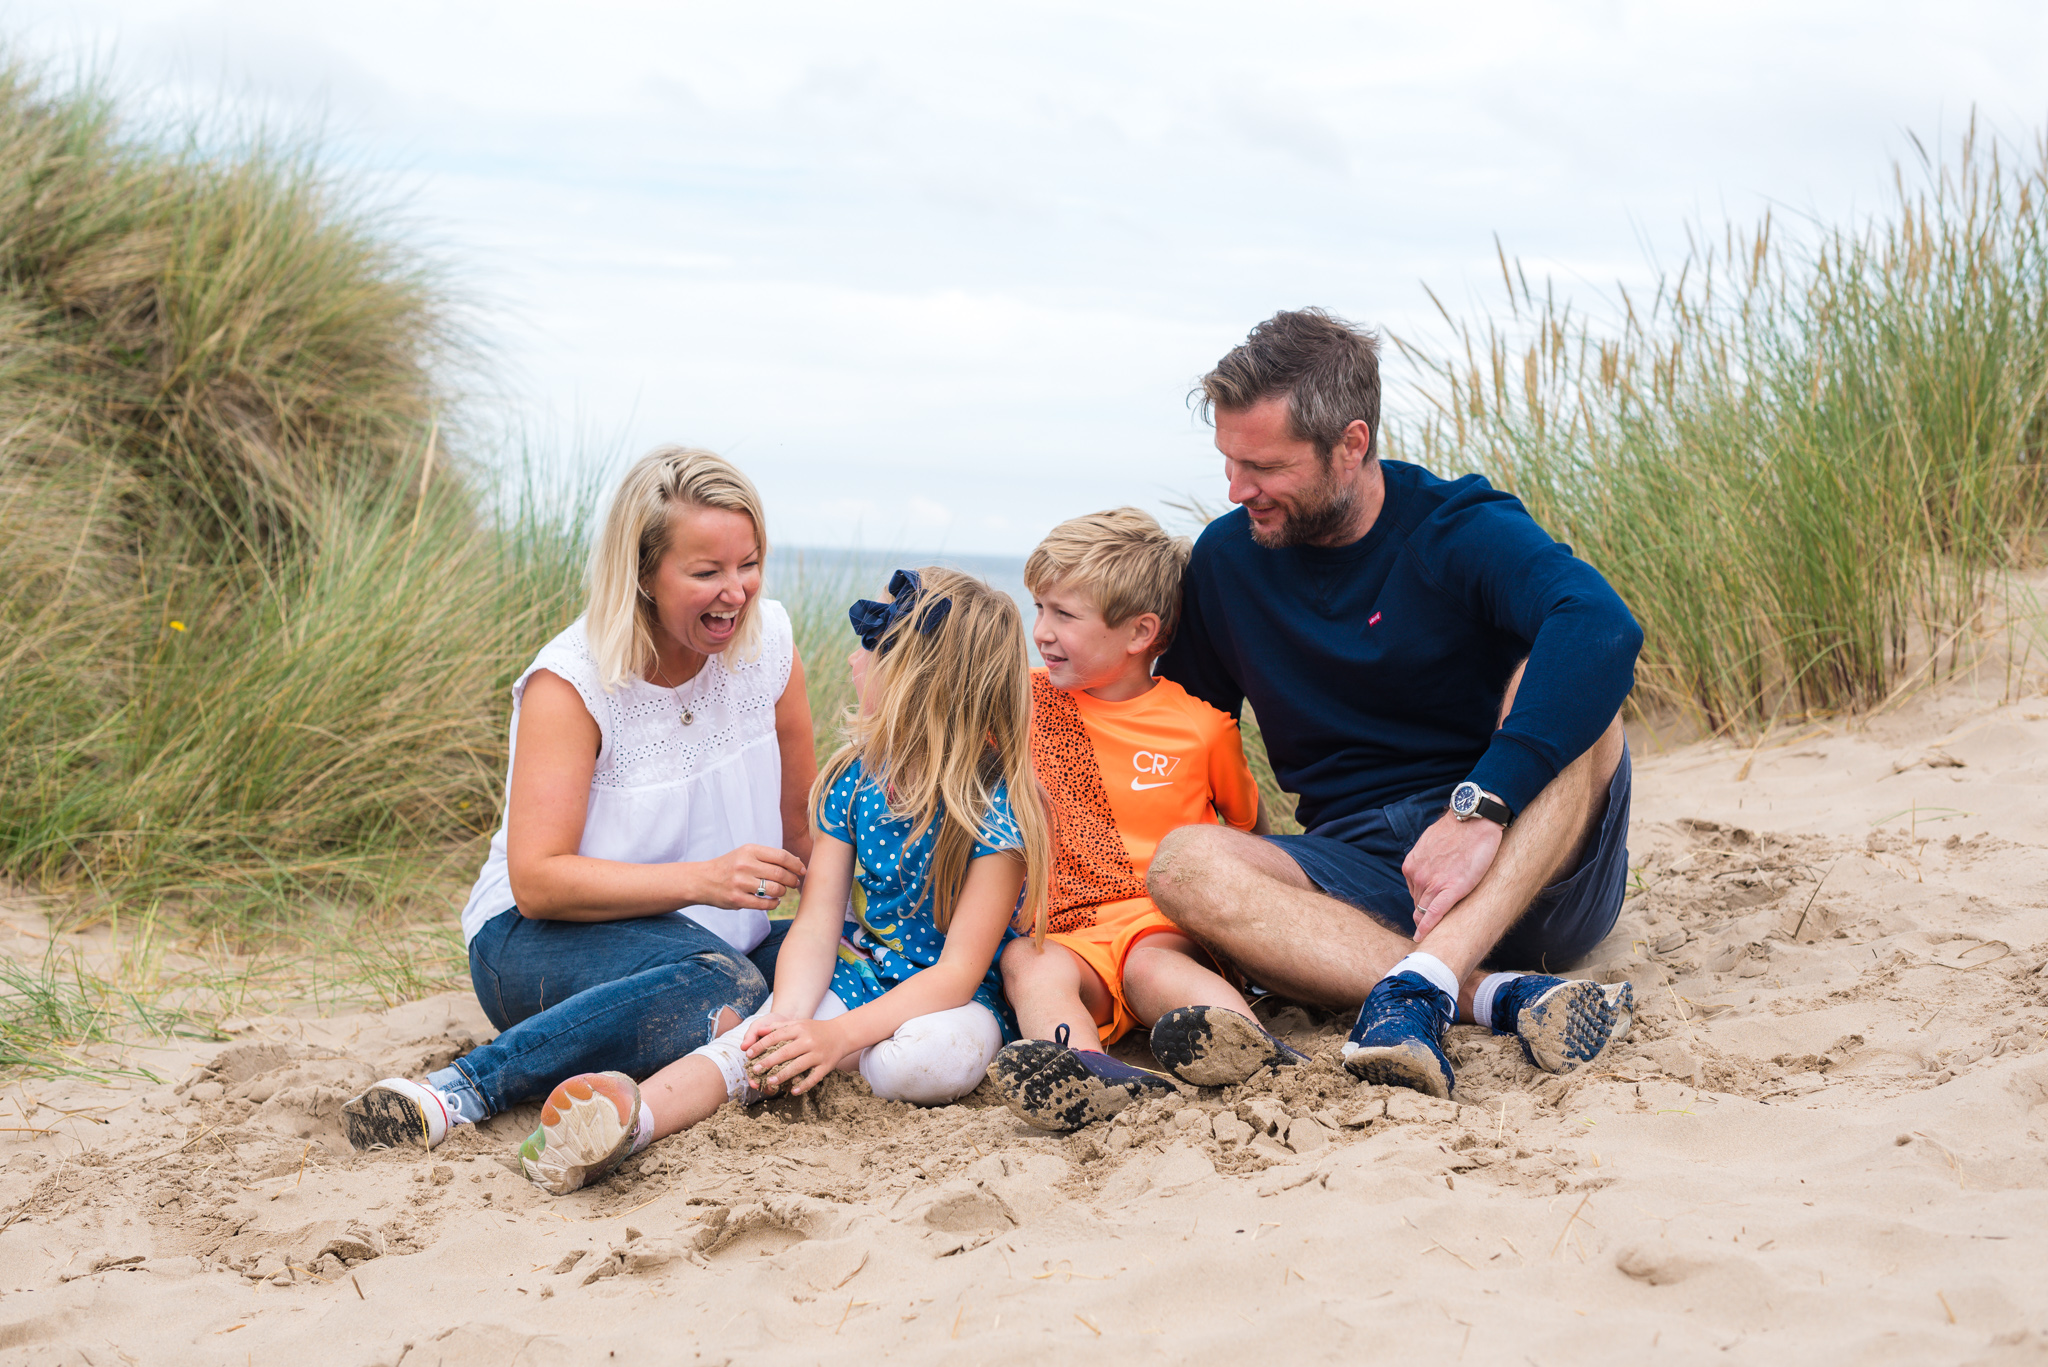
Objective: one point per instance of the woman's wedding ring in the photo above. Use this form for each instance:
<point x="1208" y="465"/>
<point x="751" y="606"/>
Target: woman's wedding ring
<point x="761" y="887"/>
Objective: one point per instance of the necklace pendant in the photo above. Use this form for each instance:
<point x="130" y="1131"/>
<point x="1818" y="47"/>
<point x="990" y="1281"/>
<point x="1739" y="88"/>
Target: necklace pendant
<point x="687" y="717"/>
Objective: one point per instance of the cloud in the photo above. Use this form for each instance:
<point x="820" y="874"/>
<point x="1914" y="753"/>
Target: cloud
<point x="966" y="260"/>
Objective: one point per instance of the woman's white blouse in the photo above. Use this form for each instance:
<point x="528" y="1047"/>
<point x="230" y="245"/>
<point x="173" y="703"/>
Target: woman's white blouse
<point x="665" y="792"/>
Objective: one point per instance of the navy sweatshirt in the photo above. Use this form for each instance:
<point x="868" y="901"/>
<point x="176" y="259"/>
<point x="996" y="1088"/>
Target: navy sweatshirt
<point x="1377" y="669"/>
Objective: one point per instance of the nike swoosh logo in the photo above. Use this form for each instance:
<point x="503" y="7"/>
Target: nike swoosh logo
<point x="1138" y="787"/>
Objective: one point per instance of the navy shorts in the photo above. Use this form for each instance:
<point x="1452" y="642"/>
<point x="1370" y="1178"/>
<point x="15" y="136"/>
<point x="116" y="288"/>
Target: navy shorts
<point x="1357" y="859"/>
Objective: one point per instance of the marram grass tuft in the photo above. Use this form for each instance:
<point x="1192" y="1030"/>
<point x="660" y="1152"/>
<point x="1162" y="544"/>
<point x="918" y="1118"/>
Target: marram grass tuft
<point x="1802" y="458"/>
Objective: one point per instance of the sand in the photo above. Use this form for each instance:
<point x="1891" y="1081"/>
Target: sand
<point x="1823" y="1139"/>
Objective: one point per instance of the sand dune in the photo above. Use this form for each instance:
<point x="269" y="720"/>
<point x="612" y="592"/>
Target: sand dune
<point x="1824" y="1138"/>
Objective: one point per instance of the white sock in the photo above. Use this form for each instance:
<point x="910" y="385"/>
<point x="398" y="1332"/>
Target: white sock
<point x="1436" y="971"/>
<point x="1482" y="1000"/>
<point x="643" y="1127"/>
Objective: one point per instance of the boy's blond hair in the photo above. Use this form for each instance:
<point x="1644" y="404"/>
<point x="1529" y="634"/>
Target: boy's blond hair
<point x="1122" y="559"/>
<point x="950" y="720"/>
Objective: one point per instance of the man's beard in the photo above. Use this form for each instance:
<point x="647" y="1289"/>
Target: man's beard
<point x="1321" y="516"/>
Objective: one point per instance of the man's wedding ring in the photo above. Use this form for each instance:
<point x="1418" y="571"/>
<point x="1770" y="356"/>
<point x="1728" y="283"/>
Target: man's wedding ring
<point x="761" y="887"/>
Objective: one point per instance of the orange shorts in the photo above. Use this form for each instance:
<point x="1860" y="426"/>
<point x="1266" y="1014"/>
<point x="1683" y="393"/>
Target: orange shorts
<point x="1105" y="945"/>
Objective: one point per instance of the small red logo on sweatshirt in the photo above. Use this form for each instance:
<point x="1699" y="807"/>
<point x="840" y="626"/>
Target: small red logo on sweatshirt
<point x="1373" y="620"/>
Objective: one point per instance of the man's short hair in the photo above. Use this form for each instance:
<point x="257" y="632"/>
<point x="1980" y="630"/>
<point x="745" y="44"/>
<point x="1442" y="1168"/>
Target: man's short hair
<point x="1328" y="369"/>
<point x="1122" y="559"/>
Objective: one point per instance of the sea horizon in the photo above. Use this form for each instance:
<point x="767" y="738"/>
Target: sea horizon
<point x="866" y="572"/>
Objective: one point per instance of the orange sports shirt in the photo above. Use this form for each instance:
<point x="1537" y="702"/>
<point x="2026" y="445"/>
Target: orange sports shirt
<point x="1123" y="774"/>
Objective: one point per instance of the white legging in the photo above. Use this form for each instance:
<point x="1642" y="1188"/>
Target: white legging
<point x="929" y="1061"/>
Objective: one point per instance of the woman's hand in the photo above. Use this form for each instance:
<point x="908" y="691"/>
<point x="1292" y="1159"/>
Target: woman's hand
<point x="731" y="880"/>
<point x="796" y="1054"/>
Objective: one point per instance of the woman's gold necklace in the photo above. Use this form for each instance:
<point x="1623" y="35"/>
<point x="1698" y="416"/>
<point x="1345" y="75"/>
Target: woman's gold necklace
<point x="687" y="715"/>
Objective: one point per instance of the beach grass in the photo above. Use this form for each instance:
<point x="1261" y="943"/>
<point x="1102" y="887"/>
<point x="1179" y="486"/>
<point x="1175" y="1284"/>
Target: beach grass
<point x="323" y="727"/>
<point x="258" y="608"/>
<point x="1804" y="457"/>
<point x="57" y="1012"/>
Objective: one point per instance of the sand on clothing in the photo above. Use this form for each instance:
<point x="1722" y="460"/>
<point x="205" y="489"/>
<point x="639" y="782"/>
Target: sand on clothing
<point x="1824" y="1140"/>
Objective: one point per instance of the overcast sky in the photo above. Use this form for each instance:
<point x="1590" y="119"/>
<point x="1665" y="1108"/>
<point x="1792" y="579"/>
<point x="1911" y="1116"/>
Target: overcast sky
<point x="938" y="276"/>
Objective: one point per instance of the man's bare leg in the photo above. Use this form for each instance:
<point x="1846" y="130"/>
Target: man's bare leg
<point x="1547" y="838"/>
<point x="1247" y="900"/>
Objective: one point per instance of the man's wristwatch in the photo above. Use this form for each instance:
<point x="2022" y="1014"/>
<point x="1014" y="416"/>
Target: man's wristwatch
<point x="1468" y="800"/>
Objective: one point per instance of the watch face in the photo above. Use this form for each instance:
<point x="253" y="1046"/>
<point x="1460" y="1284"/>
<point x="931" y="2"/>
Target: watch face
<point x="1465" y="799"/>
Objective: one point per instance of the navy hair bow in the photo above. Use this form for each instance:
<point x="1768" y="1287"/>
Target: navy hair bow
<point x="872" y="620"/>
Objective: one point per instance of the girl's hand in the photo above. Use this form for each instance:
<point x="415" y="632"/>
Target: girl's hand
<point x="795" y="1055"/>
<point x="761" y="1025"/>
<point x="734" y="881"/>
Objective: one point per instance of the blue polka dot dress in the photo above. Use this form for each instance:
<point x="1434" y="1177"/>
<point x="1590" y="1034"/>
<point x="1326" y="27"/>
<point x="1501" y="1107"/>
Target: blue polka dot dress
<point x="893" y="936"/>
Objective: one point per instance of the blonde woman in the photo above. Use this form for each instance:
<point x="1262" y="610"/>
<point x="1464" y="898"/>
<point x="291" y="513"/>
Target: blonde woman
<point x="655" y="812"/>
<point x="933" y="795"/>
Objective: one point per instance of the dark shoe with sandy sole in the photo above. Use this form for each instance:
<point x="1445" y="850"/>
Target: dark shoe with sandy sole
<point x="1213" y="1046"/>
<point x="1056" y="1087"/>
<point x="1562" y="1022"/>
<point x="1398" y="1041"/>
<point x="395" y="1114"/>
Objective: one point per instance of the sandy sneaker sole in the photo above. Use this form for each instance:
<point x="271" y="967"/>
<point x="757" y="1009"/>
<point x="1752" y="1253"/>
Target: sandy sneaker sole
<point x="1410" y="1063"/>
<point x="1571" y="1023"/>
<point x="386" y="1117"/>
<point x="1046" y="1085"/>
<point x="1213" y="1046"/>
<point x="586" y="1131"/>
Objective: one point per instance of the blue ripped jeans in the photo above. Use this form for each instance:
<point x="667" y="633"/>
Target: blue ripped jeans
<point x="584" y="996"/>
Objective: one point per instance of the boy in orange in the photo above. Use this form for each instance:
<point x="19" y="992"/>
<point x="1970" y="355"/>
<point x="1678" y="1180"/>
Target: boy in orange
<point x="1124" y="758"/>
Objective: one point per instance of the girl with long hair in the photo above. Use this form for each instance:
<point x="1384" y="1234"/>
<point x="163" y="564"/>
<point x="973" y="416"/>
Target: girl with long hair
<point x="932" y="806"/>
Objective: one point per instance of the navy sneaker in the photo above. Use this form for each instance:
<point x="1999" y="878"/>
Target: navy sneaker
<point x="1398" y="1040"/>
<point x="1213" y="1046"/>
<point x="1562" y="1022"/>
<point x="1056" y="1087"/>
<point x="1622" y="997"/>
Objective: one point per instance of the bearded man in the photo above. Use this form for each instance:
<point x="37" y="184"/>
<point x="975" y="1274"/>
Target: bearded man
<point x="1440" y="682"/>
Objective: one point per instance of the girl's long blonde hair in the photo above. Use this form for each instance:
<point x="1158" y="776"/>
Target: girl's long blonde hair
<point x="618" y="616"/>
<point x="951" y="719"/>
